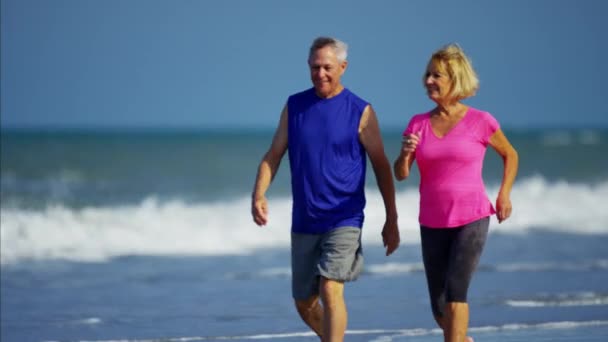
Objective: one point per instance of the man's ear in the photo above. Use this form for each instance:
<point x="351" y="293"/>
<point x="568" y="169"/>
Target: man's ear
<point x="343" y="66"/>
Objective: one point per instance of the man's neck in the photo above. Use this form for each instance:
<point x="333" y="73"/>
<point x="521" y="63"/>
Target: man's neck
<point x="334" y="93"/>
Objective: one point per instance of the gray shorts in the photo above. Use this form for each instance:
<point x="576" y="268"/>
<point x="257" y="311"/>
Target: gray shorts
<point x="335" y="255"/>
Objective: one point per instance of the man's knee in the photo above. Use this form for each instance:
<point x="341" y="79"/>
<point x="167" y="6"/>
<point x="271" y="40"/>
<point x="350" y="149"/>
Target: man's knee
<point x="331" y="291"/>
<point x="306" y="306"/>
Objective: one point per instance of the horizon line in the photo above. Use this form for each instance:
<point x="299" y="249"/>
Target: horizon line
<point x="240" y="129"/>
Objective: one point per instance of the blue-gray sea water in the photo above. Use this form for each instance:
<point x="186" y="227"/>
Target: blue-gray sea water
<point x="147" y="236"/>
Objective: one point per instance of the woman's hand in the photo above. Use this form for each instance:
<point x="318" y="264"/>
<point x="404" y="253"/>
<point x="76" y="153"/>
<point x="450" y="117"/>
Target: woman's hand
<point x="503" y="207"/>
<point x="409" y="142"/>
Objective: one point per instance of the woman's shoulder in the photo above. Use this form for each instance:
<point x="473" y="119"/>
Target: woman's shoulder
<point x="420" y="117"/>
<point x="479" y="113"/>
<point x="482" y="118"/>
<point x="417" y="121"/>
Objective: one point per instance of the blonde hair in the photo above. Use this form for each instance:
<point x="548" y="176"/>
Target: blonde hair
<point x="452" y="59"/>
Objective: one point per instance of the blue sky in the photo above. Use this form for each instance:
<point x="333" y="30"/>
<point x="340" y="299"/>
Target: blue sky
<point x="231" y="64"/>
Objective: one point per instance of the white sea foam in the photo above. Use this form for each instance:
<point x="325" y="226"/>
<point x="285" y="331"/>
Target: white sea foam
<point x="560" y="206"/>
<point x="153" y="227"/>
<point x="562" y="300"/>
<point x="585" y="265"/>
<point x="564" y="138"/>
<point x="88" y="321"/>
<point x="379" y="335"/>
<point x="394" y="268"/>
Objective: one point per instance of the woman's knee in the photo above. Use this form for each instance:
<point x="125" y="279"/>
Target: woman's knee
<point x="456" y="308"/>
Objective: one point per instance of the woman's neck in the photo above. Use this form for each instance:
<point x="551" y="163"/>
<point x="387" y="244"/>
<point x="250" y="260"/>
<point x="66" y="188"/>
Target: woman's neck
<point x="449" y="109"/>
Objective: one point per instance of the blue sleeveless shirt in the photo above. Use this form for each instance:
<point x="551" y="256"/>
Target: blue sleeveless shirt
<point x="327" y="161"/>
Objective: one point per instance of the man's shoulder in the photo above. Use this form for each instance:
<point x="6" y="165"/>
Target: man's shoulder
<point x="360" y="102"/>
<point x="353" y="95"/>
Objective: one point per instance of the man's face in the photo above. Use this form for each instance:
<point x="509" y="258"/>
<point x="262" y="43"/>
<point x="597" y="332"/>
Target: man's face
<point x="326" y="71"/>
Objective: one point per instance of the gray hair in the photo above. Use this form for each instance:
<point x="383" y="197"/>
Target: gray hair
<point x="340" y="47"/>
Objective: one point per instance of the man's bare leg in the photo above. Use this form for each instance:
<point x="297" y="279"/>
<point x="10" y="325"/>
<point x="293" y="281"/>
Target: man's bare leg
<point x="311" y="313"/>
<point x="335" y="315"/>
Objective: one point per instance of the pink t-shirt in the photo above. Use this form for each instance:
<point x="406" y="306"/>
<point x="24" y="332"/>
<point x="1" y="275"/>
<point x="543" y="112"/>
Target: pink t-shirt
<point x="452" y="192"/>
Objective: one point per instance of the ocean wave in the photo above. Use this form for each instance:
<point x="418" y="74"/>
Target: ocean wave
<point x="378" y="335"/>
<point x="155" y="227"/>
<point x="586" y="265"/>
<point x="396" y="268"/>
<point x="564" y="138"/>
<point x="561" y="300"/>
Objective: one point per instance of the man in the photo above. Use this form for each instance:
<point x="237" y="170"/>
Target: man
<point x="328" y="132"/>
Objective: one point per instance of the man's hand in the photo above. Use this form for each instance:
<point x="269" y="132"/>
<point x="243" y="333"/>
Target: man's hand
<point x="259" y="210"/>
<point x="390" y="237"/>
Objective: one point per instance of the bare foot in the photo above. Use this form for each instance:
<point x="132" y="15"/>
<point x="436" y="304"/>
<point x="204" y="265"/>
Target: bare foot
<point x="469" y="339"/>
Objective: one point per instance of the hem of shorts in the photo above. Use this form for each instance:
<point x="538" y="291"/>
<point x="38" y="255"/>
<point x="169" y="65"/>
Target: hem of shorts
<point x="304" y="298"/>
<point x="328" y="276"/>
<point x="318" y="232"/>
<point x="337" y="278"/>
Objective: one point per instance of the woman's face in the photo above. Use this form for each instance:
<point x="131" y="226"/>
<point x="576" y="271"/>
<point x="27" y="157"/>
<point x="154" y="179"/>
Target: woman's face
<point x="437" y="82"/>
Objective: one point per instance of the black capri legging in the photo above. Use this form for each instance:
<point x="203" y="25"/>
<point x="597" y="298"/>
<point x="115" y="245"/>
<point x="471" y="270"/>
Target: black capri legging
<point x="450" y="257"/>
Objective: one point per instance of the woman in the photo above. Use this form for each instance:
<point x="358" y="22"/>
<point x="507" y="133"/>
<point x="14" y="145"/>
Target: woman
<point x="449" y="144"/>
